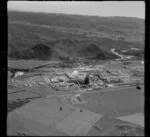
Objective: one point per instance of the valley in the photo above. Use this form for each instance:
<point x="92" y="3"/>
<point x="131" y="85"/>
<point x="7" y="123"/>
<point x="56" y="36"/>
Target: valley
<point x="73" y="75"/>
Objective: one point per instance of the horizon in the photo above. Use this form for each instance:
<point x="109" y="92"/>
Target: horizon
<point x="108" y="9"/>
<point x="74" y="14"/>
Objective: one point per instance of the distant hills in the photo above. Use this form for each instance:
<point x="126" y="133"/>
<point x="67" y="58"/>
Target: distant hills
<point x="47" y="36"/>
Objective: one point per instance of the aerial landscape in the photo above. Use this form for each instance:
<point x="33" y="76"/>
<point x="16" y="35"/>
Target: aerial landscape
<point x="75" y="75"/>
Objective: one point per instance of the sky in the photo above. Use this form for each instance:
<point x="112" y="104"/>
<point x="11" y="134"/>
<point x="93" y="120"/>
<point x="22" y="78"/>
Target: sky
<point x="114" y="8"/>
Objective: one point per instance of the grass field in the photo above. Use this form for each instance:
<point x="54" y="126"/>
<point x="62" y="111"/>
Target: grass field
<point x="39" y="117"/>
<point x="115" y="127"/>
<point x="22" y="64"/>
<point x="115" y="103"/>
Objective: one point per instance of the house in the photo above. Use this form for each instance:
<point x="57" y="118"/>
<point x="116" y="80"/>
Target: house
<point x="19" y="73"/>
<point x="110" y="85"/>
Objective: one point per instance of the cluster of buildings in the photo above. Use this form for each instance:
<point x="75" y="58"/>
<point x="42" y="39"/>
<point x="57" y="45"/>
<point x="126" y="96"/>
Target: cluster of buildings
<point x="75" y="80"/>
<point x="82" y="77"/>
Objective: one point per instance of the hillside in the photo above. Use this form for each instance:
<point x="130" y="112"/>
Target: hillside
<point x="46" y="36"/>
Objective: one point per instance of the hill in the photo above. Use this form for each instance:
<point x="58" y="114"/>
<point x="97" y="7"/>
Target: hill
<point x="49" y="36"/>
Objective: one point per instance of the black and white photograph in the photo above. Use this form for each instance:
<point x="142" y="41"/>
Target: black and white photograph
<point x="75" y="68"/>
